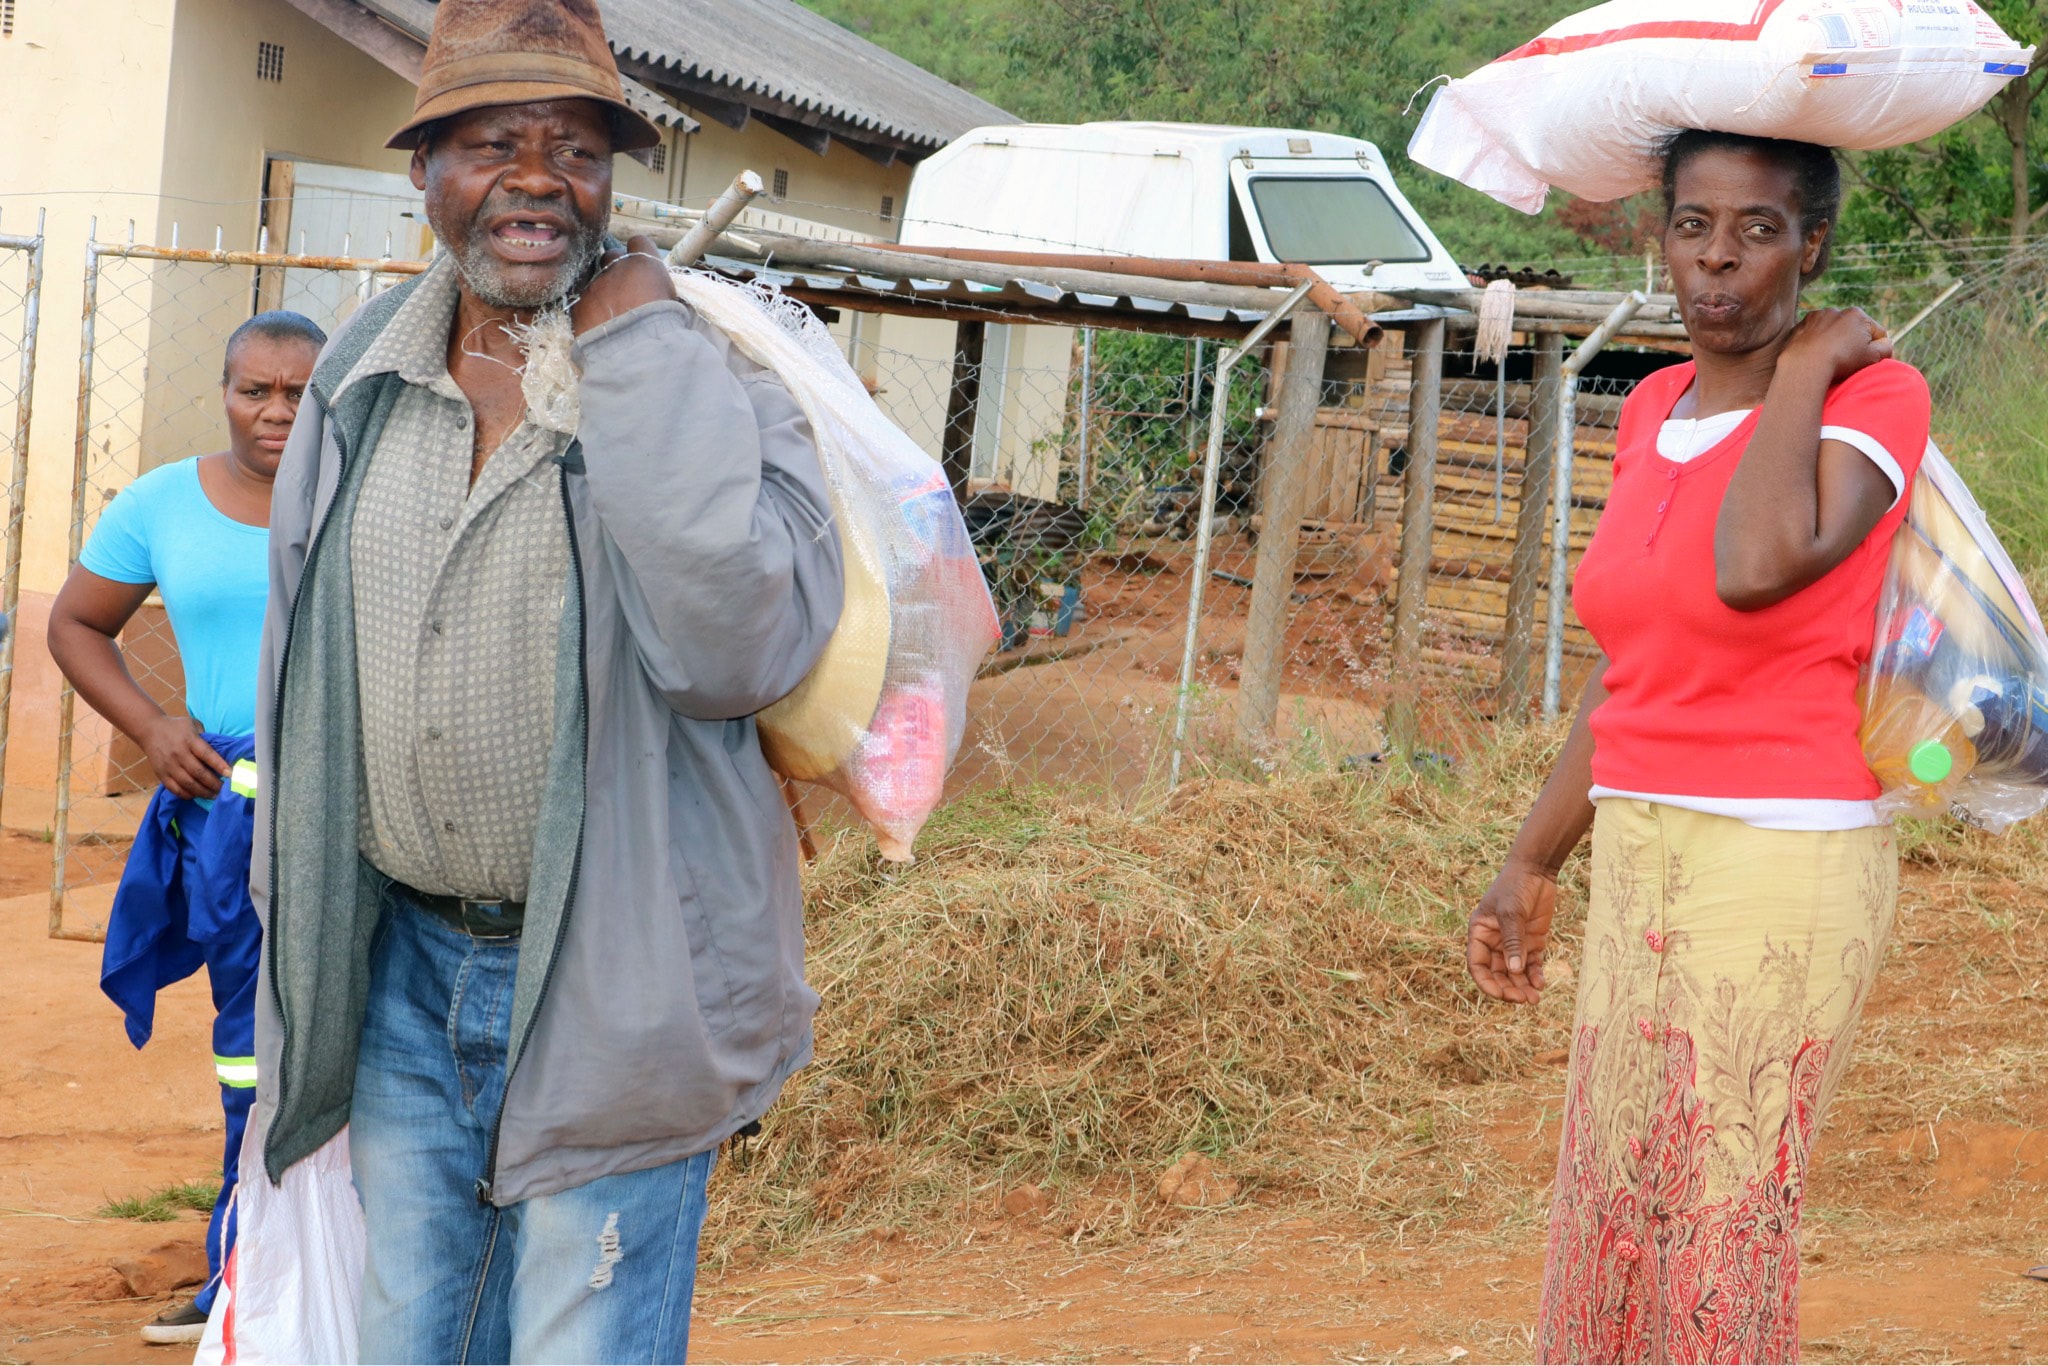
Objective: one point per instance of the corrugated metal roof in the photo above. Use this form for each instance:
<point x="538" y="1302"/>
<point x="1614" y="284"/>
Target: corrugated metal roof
<point x="778" y="51"/>
<point x="848" y="289"/>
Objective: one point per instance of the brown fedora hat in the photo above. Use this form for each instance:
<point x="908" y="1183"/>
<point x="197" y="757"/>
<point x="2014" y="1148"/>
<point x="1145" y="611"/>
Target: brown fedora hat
<point x="485" y="53"/>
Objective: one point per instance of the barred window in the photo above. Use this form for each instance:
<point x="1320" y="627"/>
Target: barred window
<point x="657" y="158"/>
<point x="6" y="18"/>
<point x="781" y="190"/>
<point x="270" y="61"/>
<point x="888" y="207"/>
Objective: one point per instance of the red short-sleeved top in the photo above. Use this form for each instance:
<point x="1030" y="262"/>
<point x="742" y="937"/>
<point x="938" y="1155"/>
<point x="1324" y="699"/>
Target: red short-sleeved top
<point x="1704" y="700"/>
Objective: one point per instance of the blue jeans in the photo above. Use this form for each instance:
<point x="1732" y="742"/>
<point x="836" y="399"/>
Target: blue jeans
<point x="604" y="1272"/>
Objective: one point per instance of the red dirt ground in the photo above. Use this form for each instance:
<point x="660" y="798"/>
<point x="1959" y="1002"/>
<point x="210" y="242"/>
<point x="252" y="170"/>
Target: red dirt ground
<point x="1915" y="1238"/>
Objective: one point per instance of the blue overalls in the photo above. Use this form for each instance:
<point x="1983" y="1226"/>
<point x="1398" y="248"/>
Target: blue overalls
<point x="184" y="902"/>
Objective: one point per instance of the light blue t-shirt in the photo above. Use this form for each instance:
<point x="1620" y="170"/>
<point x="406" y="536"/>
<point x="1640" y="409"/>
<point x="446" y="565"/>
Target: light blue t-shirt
<point x="213" y="573"/>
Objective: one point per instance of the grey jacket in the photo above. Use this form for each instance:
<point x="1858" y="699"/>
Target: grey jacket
<point x="660" y="1002"/>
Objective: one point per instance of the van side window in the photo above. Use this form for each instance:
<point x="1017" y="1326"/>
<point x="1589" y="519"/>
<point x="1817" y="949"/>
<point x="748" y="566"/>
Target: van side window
<point x="1241" y="248"/>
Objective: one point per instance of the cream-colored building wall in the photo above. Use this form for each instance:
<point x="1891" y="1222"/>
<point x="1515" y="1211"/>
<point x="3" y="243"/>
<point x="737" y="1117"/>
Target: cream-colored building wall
<point x="910" y="362"/>
<point x="85" y="83"/>
<point x="1035" y="403"/>
<point x="842" y="187"/>
<point x="334" y="105"/>
<point x="151" y="113"/>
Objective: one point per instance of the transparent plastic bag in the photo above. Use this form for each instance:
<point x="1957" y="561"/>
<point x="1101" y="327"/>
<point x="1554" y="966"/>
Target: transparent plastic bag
<point x="882" y="715"/>
<point x="1955" y="693"/>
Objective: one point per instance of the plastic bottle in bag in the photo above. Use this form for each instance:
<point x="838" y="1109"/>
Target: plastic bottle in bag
<point x="1955" y="693"/>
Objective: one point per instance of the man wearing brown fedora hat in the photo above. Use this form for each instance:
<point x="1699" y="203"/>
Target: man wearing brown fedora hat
<point x="535" y="929"/>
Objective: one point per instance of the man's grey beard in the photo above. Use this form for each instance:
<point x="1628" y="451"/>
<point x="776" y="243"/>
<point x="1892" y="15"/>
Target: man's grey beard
<point x="486" y="273"/>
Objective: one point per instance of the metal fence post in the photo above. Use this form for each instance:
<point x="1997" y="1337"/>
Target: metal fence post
<point x="1205" y="526"/>
<point x="17" y="479"/>
<point x="67" y="700"/>
<point x="956" y="449"/>
<point x="1418" y="531"/>
<point x="1561" y="496"/>
<point x="1525" y="573"/>
<point x="1081" y="470"/>
<point x="1282" y="494"/>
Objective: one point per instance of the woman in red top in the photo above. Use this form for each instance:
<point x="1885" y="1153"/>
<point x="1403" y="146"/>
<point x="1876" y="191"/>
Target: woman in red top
<point x="1743" y="883"/>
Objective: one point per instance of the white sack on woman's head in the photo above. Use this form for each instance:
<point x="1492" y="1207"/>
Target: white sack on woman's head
<point x="1584" y="107"/>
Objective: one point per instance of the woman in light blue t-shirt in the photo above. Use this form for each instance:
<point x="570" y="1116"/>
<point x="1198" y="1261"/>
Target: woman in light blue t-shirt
<point x="198" y="532"/>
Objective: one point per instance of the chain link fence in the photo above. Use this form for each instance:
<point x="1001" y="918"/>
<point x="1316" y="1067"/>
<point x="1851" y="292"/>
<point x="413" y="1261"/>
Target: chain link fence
<point x="1085" y="505"/>
<point x="156" y="323"/>
<point x="1083" y="457"/>
<point x="1978" y="329"/>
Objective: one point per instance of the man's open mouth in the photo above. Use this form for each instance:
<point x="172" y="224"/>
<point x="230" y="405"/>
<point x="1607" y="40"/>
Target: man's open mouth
<point x="530" y="238"/>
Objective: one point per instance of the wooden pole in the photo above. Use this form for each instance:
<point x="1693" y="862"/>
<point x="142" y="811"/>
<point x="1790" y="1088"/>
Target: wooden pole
<point x="1525" y="564"/>
<point x="1418" y="530"/>
<point x="1283" y="491"/>
<point x="956" y="448"/>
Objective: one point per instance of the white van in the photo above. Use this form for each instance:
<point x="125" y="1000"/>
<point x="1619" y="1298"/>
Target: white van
<point x="1181" y="191"/>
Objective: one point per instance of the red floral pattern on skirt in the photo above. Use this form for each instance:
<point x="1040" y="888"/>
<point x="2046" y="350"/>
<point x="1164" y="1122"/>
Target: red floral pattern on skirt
<point x="1659" y="1269"/>
<point x="1724" y="970"/>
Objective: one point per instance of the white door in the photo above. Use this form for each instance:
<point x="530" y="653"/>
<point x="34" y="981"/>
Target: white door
<point x="345" y="211"/>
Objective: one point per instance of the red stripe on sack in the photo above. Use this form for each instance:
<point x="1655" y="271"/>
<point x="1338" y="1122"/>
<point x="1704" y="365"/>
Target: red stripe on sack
<point x="227" y="1319"/>
<point x="1655" y="28"/>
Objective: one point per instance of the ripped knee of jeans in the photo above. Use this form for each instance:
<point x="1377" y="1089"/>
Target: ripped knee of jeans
<point x="608" y="1253"/>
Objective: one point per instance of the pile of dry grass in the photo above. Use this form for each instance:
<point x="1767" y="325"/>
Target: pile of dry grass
<point x="1074" y="994"/>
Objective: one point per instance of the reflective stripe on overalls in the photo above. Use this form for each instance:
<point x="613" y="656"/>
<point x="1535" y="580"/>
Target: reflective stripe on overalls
<point x="236" y="1072"/>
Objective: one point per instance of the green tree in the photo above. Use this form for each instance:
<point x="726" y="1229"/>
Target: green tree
<point x="2012" y="113"/>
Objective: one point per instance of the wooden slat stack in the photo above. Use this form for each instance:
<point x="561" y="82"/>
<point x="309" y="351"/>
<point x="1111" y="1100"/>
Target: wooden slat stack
<point x="1354" y="491"/>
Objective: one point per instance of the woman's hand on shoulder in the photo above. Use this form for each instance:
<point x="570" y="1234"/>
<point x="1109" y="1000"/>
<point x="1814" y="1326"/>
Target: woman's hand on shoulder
<point x="1509" y="932"/>
<point x="1835" y="343"/>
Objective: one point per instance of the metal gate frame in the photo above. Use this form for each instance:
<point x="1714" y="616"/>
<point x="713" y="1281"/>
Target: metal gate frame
<point x="31" y="248"/>
<point x="372" y="273"/>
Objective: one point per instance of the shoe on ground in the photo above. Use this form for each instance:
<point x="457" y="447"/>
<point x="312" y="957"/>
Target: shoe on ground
<point x="181" y="1323"/>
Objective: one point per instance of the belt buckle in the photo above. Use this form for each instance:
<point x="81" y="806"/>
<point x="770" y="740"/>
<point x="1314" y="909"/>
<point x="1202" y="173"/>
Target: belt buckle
<point x="476" y="918"/>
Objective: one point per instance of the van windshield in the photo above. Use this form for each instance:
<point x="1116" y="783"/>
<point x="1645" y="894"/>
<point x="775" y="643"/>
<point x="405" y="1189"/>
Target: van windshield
<point x="1333" y="220"/>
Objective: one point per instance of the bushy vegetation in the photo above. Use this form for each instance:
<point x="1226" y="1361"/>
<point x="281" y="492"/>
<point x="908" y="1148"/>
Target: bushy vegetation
<point x="1359" y="67"/>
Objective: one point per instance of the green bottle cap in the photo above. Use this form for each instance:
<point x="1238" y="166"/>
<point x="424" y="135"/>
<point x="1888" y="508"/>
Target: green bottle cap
<point x="1930" y="761"/>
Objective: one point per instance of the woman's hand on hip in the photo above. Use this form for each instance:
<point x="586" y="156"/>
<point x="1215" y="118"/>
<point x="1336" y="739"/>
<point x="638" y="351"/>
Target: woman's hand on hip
<point x="1835" y="343"/>
<point x="183" y="761"/>
<point x="1509" y="931"/>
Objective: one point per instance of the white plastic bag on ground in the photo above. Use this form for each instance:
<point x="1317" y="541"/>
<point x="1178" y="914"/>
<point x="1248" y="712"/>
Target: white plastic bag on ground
<point x="1583" y="107"/>
<point x="882" y="715"/>
<point x="293" y="1284"/>
<point x="1955" y="694"/>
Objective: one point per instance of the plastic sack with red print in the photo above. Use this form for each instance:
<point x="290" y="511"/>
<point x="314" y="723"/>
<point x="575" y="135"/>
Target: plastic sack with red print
<point x="1584" y="106"/>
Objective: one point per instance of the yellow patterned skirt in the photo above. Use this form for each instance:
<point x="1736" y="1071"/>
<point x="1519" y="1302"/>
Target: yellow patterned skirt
<point x="1723" y="973"/>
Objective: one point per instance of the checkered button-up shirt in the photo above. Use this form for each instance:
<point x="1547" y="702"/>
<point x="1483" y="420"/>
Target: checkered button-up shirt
<point x="458" y="609"/>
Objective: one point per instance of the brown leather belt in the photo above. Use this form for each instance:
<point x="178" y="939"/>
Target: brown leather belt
<point x="477" y="919"/>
